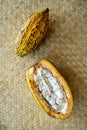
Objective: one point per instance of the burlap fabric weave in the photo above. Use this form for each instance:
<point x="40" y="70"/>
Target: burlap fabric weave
<point x="65" y="45"/>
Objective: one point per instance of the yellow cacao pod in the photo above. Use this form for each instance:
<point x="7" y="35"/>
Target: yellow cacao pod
<point x="50" y="89"/>
<point x="32" y="32"/>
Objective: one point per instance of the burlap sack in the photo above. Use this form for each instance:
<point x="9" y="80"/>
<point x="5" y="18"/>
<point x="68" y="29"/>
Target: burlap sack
<point x="65" y="45"/>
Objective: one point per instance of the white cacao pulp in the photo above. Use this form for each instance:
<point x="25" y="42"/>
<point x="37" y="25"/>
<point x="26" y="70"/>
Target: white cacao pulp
<point x="51" y="90"/>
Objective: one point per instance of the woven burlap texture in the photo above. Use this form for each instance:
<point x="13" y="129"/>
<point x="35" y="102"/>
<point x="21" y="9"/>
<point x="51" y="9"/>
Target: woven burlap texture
<point x="65" y="45"/>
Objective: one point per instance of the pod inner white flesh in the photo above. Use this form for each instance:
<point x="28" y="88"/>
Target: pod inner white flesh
<point x="51" y="90"/>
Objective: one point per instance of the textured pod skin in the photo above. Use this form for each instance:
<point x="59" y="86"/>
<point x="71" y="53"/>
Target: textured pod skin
<point x="40" y="99"/>
<point x="32" y="32"/>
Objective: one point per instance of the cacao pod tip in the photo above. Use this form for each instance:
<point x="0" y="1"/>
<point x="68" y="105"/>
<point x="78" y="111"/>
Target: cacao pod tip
<point x="47" y="10"/>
